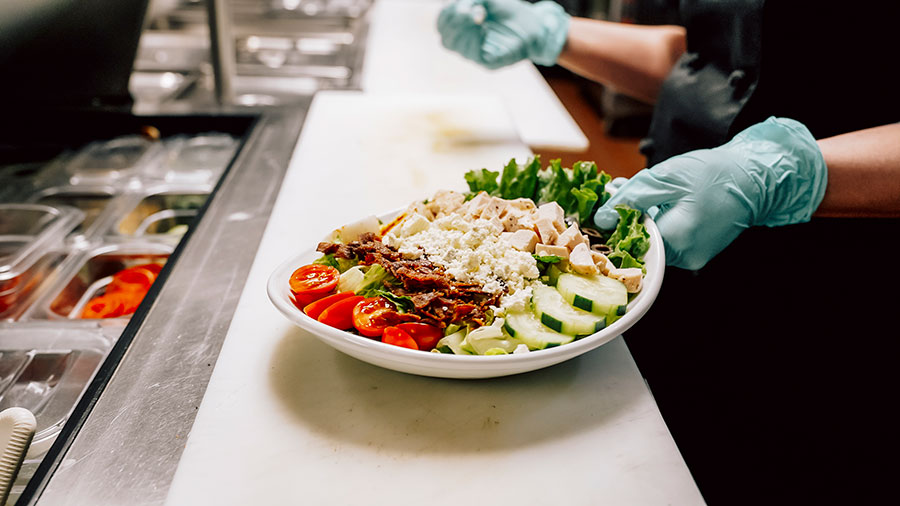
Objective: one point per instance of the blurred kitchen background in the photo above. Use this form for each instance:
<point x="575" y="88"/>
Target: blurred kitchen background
<point x="282" y="51"/>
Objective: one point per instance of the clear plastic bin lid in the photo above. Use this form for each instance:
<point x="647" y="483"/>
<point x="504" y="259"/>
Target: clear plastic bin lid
<point x="109" y="160"/>
<point x="198" y="159"/>
<point x="45" y="369"/>
<point x="27" y="231"/>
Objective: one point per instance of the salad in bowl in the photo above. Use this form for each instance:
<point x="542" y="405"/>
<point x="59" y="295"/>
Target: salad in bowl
<point x="508" y="271"/>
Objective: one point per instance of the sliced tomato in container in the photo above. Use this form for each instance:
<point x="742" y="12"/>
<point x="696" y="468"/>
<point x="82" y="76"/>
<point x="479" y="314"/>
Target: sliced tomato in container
<point x="397" y="337"/>
<point x="370" y="316"/>
<point x="425" y="335"/>
<point x="133" y="279"/>
<point x="314" y="309"/>
<point x="153" y="267"/>
<point x="104" y="306"/>
<point x="340" y="314"/>
<point x="314" y="279"/>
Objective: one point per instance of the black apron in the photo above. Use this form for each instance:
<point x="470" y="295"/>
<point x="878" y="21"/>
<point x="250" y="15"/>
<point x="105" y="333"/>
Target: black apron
<point x="828" y="65"/>
<point x="775" y="366"/>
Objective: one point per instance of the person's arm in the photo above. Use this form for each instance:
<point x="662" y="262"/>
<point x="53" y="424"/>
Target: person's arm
<point x="863" y="173"/>
<point x="632" y="59"/>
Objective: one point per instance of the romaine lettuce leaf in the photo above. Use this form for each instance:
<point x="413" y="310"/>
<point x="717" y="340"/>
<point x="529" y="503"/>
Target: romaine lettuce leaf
<point x="482" y="181"/>
<point x="630" y="241"/>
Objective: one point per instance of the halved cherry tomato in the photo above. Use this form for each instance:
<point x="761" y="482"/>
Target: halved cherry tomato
<point x="314" y="309"/>
<point x="104" y="306"/>
<point x="368" y="316"/>
<point x="426" y="336"/>
<point x="301" y="300"/>
<point x="397" y="337"/>
<point x="340" y="314"/>
<point x="314" y="279"/>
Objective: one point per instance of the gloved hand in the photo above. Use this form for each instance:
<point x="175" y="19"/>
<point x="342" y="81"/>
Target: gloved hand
<point x="770" y="174"/>
<point x="512" y="30"/>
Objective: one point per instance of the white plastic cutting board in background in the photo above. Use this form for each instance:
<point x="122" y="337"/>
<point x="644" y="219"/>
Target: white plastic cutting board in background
<point x="287" y="420"/>
<point x="404" y="54"/>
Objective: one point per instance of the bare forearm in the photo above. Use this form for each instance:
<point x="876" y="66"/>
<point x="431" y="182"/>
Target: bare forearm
<point x="863" y="173"/>
<point x="632" y="59"/>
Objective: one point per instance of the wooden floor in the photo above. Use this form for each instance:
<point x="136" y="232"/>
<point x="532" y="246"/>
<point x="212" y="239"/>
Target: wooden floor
<point x="616" y="156"/>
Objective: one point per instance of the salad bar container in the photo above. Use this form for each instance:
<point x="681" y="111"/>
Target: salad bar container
<point x="70" y="226"/>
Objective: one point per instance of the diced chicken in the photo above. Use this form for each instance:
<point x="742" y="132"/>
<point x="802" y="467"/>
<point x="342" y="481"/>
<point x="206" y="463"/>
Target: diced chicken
<point x="602" y="262"/>
<point x="521" y="204"/>
<point x="494" y="208"/>
<point x="555" y="213"/>
<point x="474" y="207"/>
<point x="547" y="250"/>
<point x="546" y="230"/>
<point x="527" y="220"/>
<point x="445" y="202"/>
<point x="552" y="210"/>
<point x="510" y="222"/>
<point x="523" y="240"/>
<point x="571" y="237"/>
<point x="496" y="224"/>
<point x="581" y="260"/>
<point x="413" y="224"/>
<point x="422" y="209"/>
<point x="631" y="277"/>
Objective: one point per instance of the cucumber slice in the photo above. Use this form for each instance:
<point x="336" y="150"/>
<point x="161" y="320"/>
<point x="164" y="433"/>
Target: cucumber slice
<point x="598" y="294"/>
<point x="527" y="328"/>
<point x="553" y="274"/>
<point x="553" y="311"/>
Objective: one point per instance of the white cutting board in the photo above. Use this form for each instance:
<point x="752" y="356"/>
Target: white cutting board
<point x="287" y="420"/>
<point x="399" y="148"/>
<point x="404" y="54"/>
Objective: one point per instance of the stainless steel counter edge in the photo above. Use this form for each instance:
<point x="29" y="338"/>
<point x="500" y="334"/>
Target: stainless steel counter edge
<point x="129" y="446"/>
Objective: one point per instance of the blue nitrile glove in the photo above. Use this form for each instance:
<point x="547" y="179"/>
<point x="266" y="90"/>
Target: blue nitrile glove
<point x="512" y="30"/>
<point x="770" y="174"/>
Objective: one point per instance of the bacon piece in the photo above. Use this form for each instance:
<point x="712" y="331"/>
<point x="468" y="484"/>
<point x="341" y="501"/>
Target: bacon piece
<point x="438" y="299"/>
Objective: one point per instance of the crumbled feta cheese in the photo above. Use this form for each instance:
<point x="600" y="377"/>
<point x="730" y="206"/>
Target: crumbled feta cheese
<point x="469" y="250"/>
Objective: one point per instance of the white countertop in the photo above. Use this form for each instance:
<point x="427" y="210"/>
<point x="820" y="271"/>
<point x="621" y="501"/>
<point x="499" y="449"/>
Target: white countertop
<point x="288" y="420"/>
<point x="404" y="54"/>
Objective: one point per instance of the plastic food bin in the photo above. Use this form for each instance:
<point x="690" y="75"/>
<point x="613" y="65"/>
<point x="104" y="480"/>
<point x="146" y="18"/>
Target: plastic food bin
<point x="196" y="159"/>
<point x="31" y="244"/>
<point x="94" y="272"/>
<point x="168" y="212"/>
<point x="45" y="369"/>
<point x="111" y="160"/>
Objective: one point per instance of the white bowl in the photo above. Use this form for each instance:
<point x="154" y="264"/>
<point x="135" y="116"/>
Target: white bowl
<point x="442" y="365"/>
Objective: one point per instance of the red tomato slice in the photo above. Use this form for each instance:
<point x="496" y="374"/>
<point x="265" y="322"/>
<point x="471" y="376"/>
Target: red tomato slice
<point x="134" y="279"/>
<point x="301" y="300"/>
<point x="314" y="309"/>
<point x="397" y="337"/>
<point x="426" y="336"/>
<point x="368" y="316"/>
<point x="340" y="314"/>
<point x="152" y="267"/>
<point x="104" y="306"/>
<point x="314" y="279"/>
